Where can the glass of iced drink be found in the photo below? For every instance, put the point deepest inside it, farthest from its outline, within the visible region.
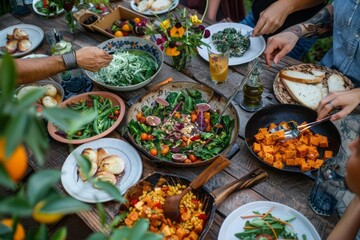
(219, 60)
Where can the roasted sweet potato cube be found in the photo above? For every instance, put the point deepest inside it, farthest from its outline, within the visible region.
(278, 157)
(290, 162)
(328, 154)
(312, 153)
(323, 141)
(314, 141)
(305, 167)
(299, 161)
(282, 150)
(263, 131)
(279, 165)
(256, 147)
(290, 154)
(269, 140)
(268, 158)
(302, 150)
(279, 135)
(259, 137)
(311, 163)
(272, 125)
(269, 149)
(261, 154)
(304, 140)
(318, 163)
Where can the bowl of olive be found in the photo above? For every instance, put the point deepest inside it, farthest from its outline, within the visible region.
(86, 18)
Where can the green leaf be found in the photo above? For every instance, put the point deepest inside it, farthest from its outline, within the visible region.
(152, 236)
(60, 234)
(15, 206)
(85, 165)
(115, 222)
(121, 234)
(97, 236)
(69, 120)
(4, 230)
(37, 188)
(5, 180)
(111, 190)
(29, 99)
(41, 234)
(14, 133)
(8, 77)
(64, 205)
(36, 131)
(102, 213)
(139, 229)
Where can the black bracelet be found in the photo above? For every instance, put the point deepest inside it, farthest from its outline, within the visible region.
(70, 60)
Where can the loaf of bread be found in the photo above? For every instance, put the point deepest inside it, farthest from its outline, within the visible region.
(160, 5)
(314, 76)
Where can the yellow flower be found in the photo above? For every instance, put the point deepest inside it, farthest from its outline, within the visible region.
(195, 20)
(171, 50)
(177, 30)
(165, 24)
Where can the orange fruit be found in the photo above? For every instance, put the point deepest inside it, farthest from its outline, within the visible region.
(19, 229)
(43, 217)
(126, 28)
(137, 20)
(118, 33)
(16, 164)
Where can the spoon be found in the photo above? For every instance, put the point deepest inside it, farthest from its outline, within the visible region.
(172, 203)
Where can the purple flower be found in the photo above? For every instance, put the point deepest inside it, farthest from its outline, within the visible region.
(201, 27)
(159, 41)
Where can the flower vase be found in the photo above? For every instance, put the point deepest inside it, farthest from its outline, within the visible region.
(180, 61)
(70, 21)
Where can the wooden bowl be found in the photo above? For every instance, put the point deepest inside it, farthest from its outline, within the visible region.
(116, 101)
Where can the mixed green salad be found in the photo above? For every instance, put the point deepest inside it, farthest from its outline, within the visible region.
(128, 67)
(239, 44)
(265, 226)
(46, 7)
(181, 128)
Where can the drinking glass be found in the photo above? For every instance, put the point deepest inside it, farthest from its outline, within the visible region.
(329, 188)
(219, 60)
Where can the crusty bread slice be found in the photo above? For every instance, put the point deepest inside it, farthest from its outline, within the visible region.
(24, 45)
(11, 46)
(302, 77)
(336, 83)
(20, 34)
(145, 5)
(308, 95)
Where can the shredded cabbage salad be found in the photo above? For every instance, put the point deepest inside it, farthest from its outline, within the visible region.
(128, 67)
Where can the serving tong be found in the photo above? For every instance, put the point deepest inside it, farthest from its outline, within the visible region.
(293, 130)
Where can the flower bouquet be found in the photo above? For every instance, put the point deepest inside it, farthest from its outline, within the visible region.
(179, 35)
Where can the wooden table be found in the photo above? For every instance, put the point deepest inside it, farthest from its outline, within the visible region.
(291, 189)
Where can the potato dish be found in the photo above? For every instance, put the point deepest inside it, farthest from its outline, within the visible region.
(52, 96)
(300, 152)
(150, 203)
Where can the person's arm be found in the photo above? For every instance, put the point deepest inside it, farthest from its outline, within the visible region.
(281, 44)
(89, 58)
(213, 9)
(273, 17)
(349, 224)
(347, 101)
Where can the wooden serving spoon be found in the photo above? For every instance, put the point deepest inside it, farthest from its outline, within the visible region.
(172, 203)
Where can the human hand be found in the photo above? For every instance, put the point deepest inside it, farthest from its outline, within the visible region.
(272, 18)
(279, 45)
(92, 58)
(344, 100)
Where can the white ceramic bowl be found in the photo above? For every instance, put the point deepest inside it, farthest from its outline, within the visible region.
(113, 44)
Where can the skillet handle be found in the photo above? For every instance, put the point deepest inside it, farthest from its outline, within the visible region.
(248, 180)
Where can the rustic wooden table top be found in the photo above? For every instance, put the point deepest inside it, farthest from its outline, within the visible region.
(291, 189)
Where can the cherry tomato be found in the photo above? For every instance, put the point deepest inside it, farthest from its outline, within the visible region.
(116, 112)
(150, 137)
(154, 151)
(144, 136)
(192, 157)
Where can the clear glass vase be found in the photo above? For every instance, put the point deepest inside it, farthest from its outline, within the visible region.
(70, 21)
(180, 61)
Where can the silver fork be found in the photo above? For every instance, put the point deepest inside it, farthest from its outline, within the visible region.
(294, 130)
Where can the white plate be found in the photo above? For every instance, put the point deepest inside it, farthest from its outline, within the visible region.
(150, 13)
(234, 223)
(43, 14)
(85, 191)
(36, 35)
(257, 44)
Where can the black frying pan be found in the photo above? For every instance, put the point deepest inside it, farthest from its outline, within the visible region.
(287, 112)
(210, 200)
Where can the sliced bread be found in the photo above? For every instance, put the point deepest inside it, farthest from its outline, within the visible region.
(308, 95)
(303, 77)
(160, 5)
(336, 83)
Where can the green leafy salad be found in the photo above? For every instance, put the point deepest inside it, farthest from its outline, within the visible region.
(266, 227)
(181, 128)
(128, 67)
(239, 44)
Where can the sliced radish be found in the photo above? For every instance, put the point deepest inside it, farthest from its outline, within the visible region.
(203, 107)
(153, 120)
(179, 157)
(162, 102)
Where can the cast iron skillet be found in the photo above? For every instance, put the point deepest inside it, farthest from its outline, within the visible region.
(210, 200)
(287, 112)
(216, 101)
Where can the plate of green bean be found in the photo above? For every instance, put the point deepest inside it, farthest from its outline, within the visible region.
(110, 110)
